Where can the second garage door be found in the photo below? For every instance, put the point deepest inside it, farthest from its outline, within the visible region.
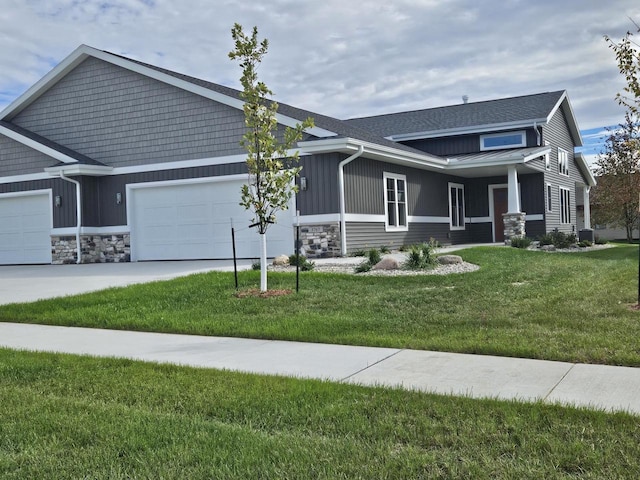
(191, 221)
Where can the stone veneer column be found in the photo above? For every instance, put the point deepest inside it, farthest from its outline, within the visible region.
(318, 241)
(514, 226)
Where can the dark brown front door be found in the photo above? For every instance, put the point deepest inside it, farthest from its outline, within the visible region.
(500, 206)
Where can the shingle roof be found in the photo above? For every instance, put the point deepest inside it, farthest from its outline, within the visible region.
(503, 110)
(80, 158)
(340, 127)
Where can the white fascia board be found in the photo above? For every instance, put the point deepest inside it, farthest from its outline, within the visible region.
(79, 169)
(572, 123)
(25, 178)
(485, 163)
(584, 166)
(390, 154)
(449, 132)
(28, 142)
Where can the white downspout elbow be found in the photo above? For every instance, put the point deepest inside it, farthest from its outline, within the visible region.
(343, 222)
(78, 215)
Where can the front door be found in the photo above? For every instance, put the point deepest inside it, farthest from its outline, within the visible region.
(500, 206)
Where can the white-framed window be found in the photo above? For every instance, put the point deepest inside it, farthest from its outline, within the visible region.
(549, 202)
(547, 157)
(499, 141)
(565, 205)
(395, 201)
(563, 162)
(456, 206)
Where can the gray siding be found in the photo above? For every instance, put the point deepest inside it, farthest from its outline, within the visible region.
(367, 235)
(531, 194)
(321, 172)
(459, 145)
(557, 134)
(122, 118)
(18, 159)
(427, 192)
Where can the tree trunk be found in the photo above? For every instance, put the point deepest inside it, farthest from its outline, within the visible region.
(263, 263)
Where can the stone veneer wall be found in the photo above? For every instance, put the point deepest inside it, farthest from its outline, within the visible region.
(95, 249)
(514, 226)
(318, 241)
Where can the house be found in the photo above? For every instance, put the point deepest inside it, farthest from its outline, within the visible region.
(135, 162)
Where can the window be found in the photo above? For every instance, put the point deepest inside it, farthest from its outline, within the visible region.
(547, 160)
(565, 205)
(456, 206)
(395, 199)
(549, 204)
(497, 141)
(563, 162)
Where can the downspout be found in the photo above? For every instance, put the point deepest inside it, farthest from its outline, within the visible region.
(538, 135)
(343, 222)
(78, 214)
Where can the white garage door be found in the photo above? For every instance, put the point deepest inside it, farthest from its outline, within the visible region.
(192, 221)
(25, 228)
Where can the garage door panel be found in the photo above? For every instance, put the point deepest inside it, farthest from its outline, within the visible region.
(25, 227)
(198, 223)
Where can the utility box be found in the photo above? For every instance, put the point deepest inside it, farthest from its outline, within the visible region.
(586, 234)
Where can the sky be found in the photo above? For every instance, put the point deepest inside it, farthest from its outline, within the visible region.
(347, 58)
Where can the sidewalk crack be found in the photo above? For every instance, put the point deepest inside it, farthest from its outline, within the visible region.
(372, 365)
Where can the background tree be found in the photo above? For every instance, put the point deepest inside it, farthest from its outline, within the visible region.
(627, 53)
(272, 167)
(615, 198)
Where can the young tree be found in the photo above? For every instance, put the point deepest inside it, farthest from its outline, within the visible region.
(615, 198)
(627, 53)
(272, 167)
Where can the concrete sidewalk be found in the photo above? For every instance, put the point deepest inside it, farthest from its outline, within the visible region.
(478, 376)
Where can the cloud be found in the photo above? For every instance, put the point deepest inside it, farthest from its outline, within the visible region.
(344, 58)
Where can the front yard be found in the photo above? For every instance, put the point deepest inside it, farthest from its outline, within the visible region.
(555, 306)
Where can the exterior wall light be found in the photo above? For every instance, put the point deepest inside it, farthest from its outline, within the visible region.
(303, 183)
(118, 198)
(57, 201)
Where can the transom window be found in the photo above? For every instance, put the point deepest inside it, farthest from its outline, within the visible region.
(563, 162)
(565, 205)
(395, 199)
(497, 141)
(456, 206)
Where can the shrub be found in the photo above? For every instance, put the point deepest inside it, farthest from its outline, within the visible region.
(384, 249)
(421, 256)
(584, 243)
(558, 239)
(601, 241)
(374, 256)
(358, 253)
(520, 242)
(301, 261)
(255, 265)
(363, 267)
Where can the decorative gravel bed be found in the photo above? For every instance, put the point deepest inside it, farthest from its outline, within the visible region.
(463, 267)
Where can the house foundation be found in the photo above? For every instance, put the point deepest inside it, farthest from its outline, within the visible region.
(95, 249)
(320, 241)
(514, 226)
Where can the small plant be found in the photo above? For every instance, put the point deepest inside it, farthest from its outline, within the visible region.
(601, 241)
(558, 239)
(255, 265)
(302, 262)
(363, 267)
(358, 253)
(374, 256)
(384, 249)
(421, 256)
(520, 242)
(584, 243)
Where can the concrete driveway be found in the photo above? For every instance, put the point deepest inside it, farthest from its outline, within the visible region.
(27, 283)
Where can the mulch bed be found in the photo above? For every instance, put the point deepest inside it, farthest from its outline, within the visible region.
(255, 292)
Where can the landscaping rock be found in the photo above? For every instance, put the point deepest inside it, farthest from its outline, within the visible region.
(281, 260)
(449, 259)
(548, 248)
(387, 263)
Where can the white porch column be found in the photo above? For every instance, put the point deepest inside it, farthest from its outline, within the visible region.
(587, 206)
(514, 195)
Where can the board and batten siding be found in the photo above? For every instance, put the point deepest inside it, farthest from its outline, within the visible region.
(557, 134)
(122, 118)
(321, 195)
(18, 159)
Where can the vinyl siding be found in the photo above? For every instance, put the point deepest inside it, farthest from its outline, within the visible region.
(367, 234)
(122, 118)
(18, 159)
(321, 172)
(557, 134)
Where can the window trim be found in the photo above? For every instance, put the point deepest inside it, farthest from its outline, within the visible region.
(395, 228)
(563, 166)
(565, 209)
(523, 140)
(457, 186)
(549, 201)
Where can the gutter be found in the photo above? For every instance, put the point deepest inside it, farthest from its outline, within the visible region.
(78, 215)
(343, 221)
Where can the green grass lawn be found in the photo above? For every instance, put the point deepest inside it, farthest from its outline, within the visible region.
(571, 307)
(78, 417)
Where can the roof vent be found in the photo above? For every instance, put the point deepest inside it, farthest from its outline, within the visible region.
(465, 98)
